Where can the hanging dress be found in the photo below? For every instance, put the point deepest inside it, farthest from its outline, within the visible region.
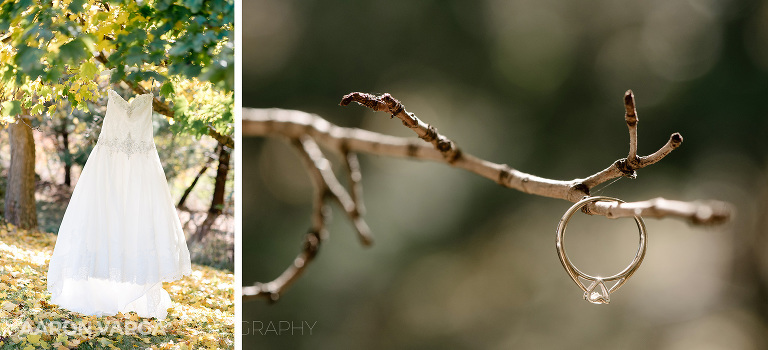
(120, 237)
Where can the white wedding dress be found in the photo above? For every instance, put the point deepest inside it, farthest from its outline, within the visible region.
(121, 236)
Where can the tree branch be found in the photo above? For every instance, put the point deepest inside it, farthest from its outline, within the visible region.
(308, 128)
(325, 185)
(165, 109)
(631, 117)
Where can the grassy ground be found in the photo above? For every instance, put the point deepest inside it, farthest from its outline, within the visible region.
(202, 315)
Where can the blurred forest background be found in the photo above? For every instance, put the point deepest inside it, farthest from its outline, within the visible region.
(460, 262)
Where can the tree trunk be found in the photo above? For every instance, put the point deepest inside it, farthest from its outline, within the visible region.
(67, 155)
(217, 202)
(194, 182)
(20, 207)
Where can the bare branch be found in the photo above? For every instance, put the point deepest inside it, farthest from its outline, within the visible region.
(570, 190)
(164, 108)
(674, 142)
(333, 188)
(272, 290)
(622, 167)
(699, 212)
(631, 117)
(317, 233)
(292, 124)
(632, 161)
(307, 128)
(325, 185)
(428, 133)
(355, 177)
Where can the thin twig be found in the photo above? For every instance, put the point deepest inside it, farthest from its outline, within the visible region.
(428, 133)
(325, 185)
(309, 128)
(355, 177)
(334, 189)
(631, 117)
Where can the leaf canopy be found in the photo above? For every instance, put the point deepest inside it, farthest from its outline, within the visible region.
(53, 52)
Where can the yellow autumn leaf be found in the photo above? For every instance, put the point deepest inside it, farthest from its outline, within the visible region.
(104, 341)
(102, 31)
(122, 17)
(61, 338)
(33, 339)
(8, 306)
(37, 109)
(104, 45)
(208, 325)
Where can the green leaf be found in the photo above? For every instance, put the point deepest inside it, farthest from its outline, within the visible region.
(37, 109)
(88, 70)
(220, 73)
(28, 59)
(155, 75)
(38, 31)
(76, 6)
(146, 10)
(73, 51)
(180, 105)
(7, 74)
(194, 5)
(167, 89)
(19, 7)
(138, 76)
(11, 108)
(135, 56)
(52, 75)
(45, 90)
(181, 48)
(163, 5)
(117, 75)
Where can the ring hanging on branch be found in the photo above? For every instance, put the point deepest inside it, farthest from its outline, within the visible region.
(597, 293)
(308, 130)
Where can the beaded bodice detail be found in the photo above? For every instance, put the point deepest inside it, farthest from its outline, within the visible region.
(129, 107)
(128, 145)
(127, 127)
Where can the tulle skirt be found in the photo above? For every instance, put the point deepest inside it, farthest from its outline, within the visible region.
(120, 238)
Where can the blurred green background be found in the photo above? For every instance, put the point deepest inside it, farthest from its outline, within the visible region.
(460, 262)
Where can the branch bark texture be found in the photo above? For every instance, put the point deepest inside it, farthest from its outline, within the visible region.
(20, 208)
